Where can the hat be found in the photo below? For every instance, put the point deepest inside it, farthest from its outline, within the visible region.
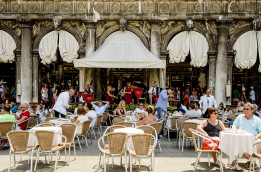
(152, 107)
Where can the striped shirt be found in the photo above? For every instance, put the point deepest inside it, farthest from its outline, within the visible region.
(162, 101)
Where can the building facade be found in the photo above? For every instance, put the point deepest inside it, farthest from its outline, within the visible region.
(155, 22)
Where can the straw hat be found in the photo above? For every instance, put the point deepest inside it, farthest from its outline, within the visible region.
(152, 107)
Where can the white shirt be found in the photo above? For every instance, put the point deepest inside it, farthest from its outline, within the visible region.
(138, 110)
(207, 102)
(192, 113)
(62, 103)
(75, 111)
(82, 119)
(252, 95)
(153, 88)
(92, 114)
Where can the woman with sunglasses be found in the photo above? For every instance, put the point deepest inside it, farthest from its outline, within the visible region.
(211, 127)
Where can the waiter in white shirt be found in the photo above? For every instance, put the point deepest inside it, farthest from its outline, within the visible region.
(207, 101)
(62, 103)
(153, 91)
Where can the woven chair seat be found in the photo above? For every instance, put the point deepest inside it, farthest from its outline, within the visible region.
(133, 153)
(107, 151)
(67, 145)
(55, 148)
(27, 149)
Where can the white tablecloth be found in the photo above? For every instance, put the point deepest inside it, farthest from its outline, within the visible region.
(60, 121)
(197, 121)
(234, 143)
(57, 139)
(168, 120)
(130, 131)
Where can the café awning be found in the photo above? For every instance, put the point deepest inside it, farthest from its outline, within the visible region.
(122, 49)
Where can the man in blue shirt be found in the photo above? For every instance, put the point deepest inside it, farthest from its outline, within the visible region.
(100, 109)
(251, 124)
(161, 105)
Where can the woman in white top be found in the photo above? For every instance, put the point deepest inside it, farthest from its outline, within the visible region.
(80, 120)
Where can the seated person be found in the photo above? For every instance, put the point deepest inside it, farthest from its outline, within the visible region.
(76, 109)
(14, 107)
(121, 110)
(192, 112)
(5, 116)
(179, 109)
(92, 114)
(211, 127)
(100, 109)
(197, 108)
(23, 118)
(222, 107)
(151, 118)
(80, 120)
(249, 123)
(239, 104)
(42, 112)
(140, 109)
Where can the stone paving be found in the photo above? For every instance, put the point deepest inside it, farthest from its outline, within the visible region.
(171, 159)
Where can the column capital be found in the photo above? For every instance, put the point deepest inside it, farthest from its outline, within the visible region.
(223, 23)
(25, 23)
(89, 24)
(155, 23)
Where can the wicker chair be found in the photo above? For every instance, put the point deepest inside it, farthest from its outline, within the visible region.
(126, 124)
(148, 129)
(32, 122)
(112, 128)
(105, 117)
(116, 147)
(226, 124)
(142, 148)
(179, 129)
(5, 127)
(173, 126)
(118, 119)
(254, 156)
(97, 126)
(157, 126)
(85, 130)
(19, 141)
(187, 134)
(50, 118)
(46, 124)
(197, 134)
(69, 131)
(193, 117)
(45, 141)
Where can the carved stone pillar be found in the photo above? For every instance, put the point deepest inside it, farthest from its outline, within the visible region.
(26, 63)
(221, 64)
(18, 77)
(35, 78)
(229, 77)
(155, 49)
(212, 73)
(87, 74)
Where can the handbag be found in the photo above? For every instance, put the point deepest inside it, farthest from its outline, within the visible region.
(208, 145)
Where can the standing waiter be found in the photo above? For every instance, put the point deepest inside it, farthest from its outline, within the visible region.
(62, 103)
(153, 91)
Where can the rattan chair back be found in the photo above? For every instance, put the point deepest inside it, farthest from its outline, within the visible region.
(98, 122)
(193, 117)
(18, 140)
(116, 142)
(50, 118)
(141, 143)
(112, 128)
(126, 124)
(118, 119)
(32, 122)
(187, 126)
(180, 123)
(85, 127)
(68, 130)
(157, 126)
(46, 124)
(105, 116)
(45, 139)
(5, 127)
(173, 123)
(148, 129)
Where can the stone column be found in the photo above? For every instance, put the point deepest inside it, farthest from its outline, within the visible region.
(26, 62)
(212, 73)
(221, 64)
(155, 49)
(98, 84)
(88, 73)
(229, 77)
(35, 77)
(18, 77)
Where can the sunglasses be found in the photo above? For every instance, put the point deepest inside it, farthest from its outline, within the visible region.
(246, 109)
(240, 111)
(216, 113)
